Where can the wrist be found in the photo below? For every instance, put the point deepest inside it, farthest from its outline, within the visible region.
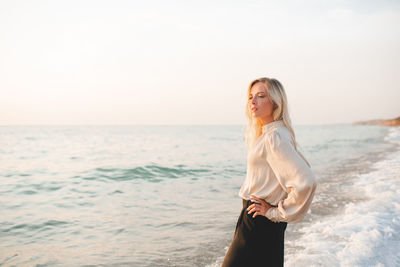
(268, 211)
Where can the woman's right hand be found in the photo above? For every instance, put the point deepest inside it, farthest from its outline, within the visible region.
(258, 208)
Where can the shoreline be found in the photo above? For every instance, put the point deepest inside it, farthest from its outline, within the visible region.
(382, 122)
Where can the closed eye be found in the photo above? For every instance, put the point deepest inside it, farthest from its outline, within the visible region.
(259, 95)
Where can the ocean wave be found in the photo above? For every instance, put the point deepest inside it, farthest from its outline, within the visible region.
(366, 233)
(394, 135)
(29, 227)
(152, 173)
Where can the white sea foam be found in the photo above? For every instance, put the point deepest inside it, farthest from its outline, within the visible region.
(367, 233)
(393, 135)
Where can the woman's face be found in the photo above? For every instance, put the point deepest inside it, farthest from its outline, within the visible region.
(261, 106)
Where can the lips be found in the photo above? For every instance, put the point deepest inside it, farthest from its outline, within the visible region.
(253, 109)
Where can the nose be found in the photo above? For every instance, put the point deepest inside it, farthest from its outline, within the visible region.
(253, 101)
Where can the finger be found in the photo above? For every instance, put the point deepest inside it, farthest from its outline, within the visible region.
(253, 206)
(262, 201)
(252, 210)
(256, 208)
(250, 207)
(255, 214)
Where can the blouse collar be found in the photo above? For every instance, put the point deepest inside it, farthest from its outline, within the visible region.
(272, 125)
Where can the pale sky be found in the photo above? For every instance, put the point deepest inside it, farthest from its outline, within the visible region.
(190, 62)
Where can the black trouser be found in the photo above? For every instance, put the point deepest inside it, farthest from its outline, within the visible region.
(257, 241)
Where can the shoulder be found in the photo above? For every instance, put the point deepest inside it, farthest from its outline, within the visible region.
(278, 136)
(279, 145)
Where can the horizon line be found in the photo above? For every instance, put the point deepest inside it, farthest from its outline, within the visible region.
(300, 124)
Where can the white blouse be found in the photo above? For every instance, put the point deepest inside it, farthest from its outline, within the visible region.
(277, 173)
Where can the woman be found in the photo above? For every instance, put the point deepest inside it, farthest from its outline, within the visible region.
(279, 184)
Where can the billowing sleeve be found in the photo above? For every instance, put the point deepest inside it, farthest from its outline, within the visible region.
(293, 174)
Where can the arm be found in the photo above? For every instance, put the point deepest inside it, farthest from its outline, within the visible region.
(295, 177)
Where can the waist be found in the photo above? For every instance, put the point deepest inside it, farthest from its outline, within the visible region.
(247, 203)
(272, 196)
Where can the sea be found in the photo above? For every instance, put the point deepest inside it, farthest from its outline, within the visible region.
(146, 195)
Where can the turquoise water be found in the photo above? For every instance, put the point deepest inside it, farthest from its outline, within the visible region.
(162, 195)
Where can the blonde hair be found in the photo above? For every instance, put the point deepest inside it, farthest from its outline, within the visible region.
(276, 93)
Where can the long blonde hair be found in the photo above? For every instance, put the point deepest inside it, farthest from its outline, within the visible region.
(276, 93)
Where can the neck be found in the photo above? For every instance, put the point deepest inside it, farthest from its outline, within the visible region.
(265, 121)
